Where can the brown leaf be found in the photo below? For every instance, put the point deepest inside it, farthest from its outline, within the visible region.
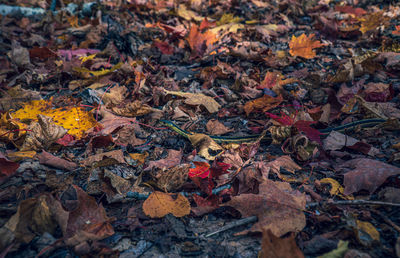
(88, 221)
(51, 160)
(197, 99)
(121, 185)
(159, 204)
(285, 162)
(277, 207)
(367, 174)
(198, 41)
(174, 158)
(172, 179)
(7, 167)
(126, 135)
(215, 127)
(118, 155)
(133, 109)
(42, 134)
(272, 246)
(116, 95)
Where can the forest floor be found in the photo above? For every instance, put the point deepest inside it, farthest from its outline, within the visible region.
(200, 128)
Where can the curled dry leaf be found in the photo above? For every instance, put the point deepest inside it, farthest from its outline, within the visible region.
(116, 95)
(264, 104)
(285, 162)
(367, 174)
(42, 134)
(7, 167)
(277, 206)
(172, 179)
(53, 161)
(159, 204)
(121, 185)
(197, 99)
(133, 109)
(208, 148)
(118, 155)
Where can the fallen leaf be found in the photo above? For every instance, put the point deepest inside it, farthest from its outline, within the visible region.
(42, 134)
(215, 127)
(372, 21)
(208, 148)
(304, 46)
(188, 15)
(199, 42)
(139, 157)
(173, 159)
(197, 99)
(277, 206)
(201, 170)
(133, 109)
(273, 246)
(367, 174)
(366, 233)
(116, 95)
(121, 185)
(284, 162)
(336, 188)
(172, 179)
(264, 104)
(53, 161)
(159, 204)
(7, 167)
(117, 155)
(341, 249)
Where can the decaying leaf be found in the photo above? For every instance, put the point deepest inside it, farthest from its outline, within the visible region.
(336, 188)
(273, 246)
(173, 159)
(117, 155)
(42, 134)
(172, 179)
(278, 207)
(159, 204)
(198, 41)
(367, 174)
(264, 104)
(304, 46)
(133, 109)
(215, 127)
(197, 99)
(208, 148)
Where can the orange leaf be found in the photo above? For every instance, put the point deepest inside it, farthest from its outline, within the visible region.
(199, 42)
(397, 31)
(159, 204)
(264, 103)
(303, 46)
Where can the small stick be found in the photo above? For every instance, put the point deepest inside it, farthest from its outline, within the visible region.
(387, 220)
(233, 224)
(353, 202)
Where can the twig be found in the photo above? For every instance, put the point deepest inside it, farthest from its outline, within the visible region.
(387, 220)
(234, 224)
(352, 202)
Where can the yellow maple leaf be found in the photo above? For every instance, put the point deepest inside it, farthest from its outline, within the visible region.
(372, 21)
(304, 46)
(75, 119)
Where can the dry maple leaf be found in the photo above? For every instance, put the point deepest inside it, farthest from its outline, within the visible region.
(159, 204)
(303, 46)
(372, 21)
(208, 148)
(277, 206)
(367, 174)
(197, 99)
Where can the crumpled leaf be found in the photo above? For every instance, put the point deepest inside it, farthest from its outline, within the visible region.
(336, 188)
(121, 185)
(367, 174)
(116, 95)
(275, 166)
(172, 179)
(133, 109)
(117, 155)
(277, 206)
(304, 46)
(264, 104)
(159, 204)
(272, 246)
(188, 15)
(372, 21)
(208, 148)
(19, 55)
(197, 99)
(42, 134)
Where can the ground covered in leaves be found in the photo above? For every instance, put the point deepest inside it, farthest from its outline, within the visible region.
(112, 112)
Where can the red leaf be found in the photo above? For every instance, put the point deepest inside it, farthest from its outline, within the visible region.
(284, 120)
(164, 47)
(312, 133)
(201, 170)
(219, 168)
(7, 167)
(206, 185)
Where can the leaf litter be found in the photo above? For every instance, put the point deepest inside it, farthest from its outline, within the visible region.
(88, 169)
